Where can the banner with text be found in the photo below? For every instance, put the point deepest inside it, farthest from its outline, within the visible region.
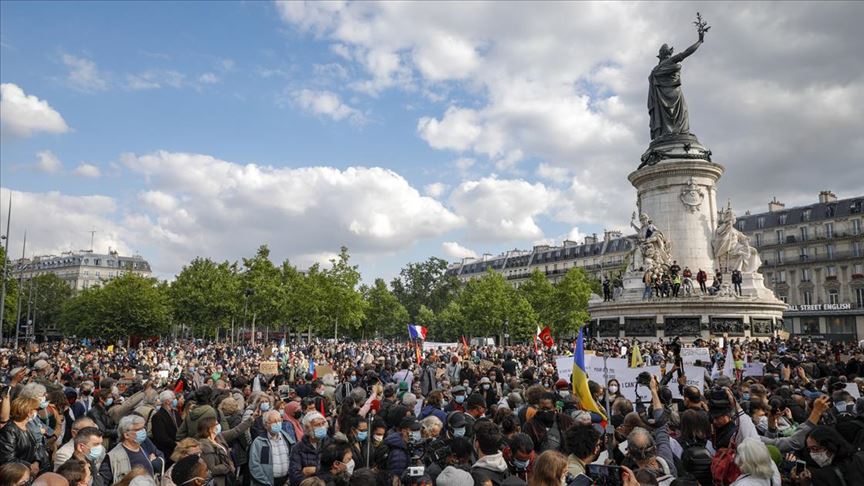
(691, 355)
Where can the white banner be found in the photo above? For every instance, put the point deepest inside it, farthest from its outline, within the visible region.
(695, 377)
(565, 366)
(432, 345)
(852, 388)
(754, 369)
(691, 355)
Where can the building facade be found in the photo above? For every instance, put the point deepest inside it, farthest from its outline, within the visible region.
(598, 257)
(82, 269)
(813, 259)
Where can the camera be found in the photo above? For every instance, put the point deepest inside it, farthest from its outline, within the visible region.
(777, 404)
(644, 379)
(604, 475)
(718, 400)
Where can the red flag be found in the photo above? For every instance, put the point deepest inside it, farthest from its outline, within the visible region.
(465, 344)
(545, 337)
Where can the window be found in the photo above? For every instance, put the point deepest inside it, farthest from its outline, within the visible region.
(784, 298)
(810, 325)
(856, 248)
(859, 297)
(805, 216)
(829, 230)
(758, 239)
(807, 297)
(804, 233)
(858, 269)
(781, 276)
(841, 324)
(829, 251)
(856, 226)
(779, 254)
(831, 271)
(760, 222)
(806, 274)
(740, 225)
(831, 210)
(805, 253)
(780, 236)
(781, 219)
(833, 297)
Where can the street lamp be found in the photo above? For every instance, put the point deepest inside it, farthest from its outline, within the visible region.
(246, 293)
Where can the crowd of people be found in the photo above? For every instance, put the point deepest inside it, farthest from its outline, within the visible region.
(383, 412)
(676, 282)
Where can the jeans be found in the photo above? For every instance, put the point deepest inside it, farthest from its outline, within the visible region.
(647, 293)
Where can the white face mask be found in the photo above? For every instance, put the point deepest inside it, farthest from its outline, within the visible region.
(613, 389)
(349, 467)
(821, 458)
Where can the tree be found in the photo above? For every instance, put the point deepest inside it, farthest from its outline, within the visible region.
(571, 298)
(129, 305)
(51, 293)
(425, 317)
(206, 295)
(385, 315)
(540, 293)
(451, 323)
(425, 283)
(489, 303)
(266, 301)
(343, 302)
(11, 302)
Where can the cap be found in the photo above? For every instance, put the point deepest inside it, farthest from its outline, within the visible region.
(409, 423)
(562, 384)
(457, 389)
(456, 420)
(40, 365)
(485, 380)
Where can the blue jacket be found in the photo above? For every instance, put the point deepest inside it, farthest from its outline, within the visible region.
(304, 454)
(399, 457)
(260, 462)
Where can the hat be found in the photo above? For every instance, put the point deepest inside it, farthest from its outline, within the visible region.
(40, 365)
(16, 370)
(476, 400)
(456, 420)
(562, 384)
(457, 389)
(775, 454)
(484, 380)
(409, 422)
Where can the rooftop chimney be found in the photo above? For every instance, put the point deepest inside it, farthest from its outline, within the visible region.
(590, 240)
(827, 197)
(775, 205)
(609, 235)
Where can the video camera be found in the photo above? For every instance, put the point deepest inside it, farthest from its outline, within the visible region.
(718, 400)
(414, 473)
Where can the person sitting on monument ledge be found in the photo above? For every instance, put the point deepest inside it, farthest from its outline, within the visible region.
(674, 268)
(687, 280)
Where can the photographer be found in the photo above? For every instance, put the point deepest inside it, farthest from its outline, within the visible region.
(653, 451)
(797, 440)
(728, 420)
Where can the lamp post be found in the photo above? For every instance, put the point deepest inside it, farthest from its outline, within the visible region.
(5, 267)
(246, 294)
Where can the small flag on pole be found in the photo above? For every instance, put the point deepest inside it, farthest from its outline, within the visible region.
(636, 358)
(416, 332)
(546, 337)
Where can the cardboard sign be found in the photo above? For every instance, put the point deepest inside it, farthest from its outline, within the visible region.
(486, 365)
(691, 355)
(564, 364)
(852, 389)
(695, 377)
(432, 345)
(754, 369)
(324, 370)
(268, 367)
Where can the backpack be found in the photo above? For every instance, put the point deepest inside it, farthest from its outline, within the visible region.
(697, 461)
(343, 390)
(852, 429)
(723, 467)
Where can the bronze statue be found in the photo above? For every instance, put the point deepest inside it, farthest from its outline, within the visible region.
(666, 104)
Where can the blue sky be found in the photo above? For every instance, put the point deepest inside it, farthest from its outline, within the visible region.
(402, 130)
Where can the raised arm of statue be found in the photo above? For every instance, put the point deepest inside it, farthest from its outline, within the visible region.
(683, 55)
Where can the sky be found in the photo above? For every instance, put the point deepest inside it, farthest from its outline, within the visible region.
(401, 130)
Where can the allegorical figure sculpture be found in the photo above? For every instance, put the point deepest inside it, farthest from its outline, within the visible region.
(732, 248)
(652, 252)
(666, 104)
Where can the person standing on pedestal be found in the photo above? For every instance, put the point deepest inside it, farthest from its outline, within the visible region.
(648, 280)
(736, 281)
(702, 277)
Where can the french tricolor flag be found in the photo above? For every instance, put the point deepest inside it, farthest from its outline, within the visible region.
(416, 332)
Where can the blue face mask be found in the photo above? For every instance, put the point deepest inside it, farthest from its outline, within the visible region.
(95, 452)
(353, 379)
(320, 432)
(218, 429)
(745, 397)
(275, 428)
(265, 406)
(44, 404)
(362, 435)
(520, 465)
(841, 406)
(459, 432)
(141, 436)
(109, 402)
(459, 398)
(174, 403)
(416, 437)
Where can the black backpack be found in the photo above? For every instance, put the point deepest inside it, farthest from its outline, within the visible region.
(696, 460)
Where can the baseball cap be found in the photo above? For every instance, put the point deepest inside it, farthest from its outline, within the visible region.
(409, 422)
(40, 365)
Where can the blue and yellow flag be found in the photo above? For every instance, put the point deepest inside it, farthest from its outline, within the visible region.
(580, 379)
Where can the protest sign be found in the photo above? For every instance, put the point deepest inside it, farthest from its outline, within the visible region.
(852, 389)
(268, 367)
(433, 345)
(324, 370)
(565, 367)
(691, 355)
(754, 369)
(695, 377)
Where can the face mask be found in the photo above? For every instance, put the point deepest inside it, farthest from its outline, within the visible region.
(320, 432)
(275, 428)
(44, 404)
(141, 436)
(297, 415)
(109, 402)
(174, 403)
(613, 389)
(377, 438)
(265, 406)
(459, 398)
(520, 465)
(465, 384)
(546, 417)
(353, 379)
(564, 393)
(416, 437)
(745, 397)
(821, 458)
(349, 467)
(485, 387)
(218, 429)
(362, 435)
(459, 432)
(95, 453)
(841, 407)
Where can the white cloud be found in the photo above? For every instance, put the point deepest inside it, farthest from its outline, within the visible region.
(436, 189)
(48, 162)
(191, 199)
(226, 64)
(575, 235)
(455, 250)
(464, 163)
(326, 103)
(208, 78)
(88, 170)
(83, 74)
(155, 79)
(497, 209)
(458, 130)
(22, 115)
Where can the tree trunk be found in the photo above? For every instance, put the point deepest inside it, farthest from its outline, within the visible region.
(254, 315)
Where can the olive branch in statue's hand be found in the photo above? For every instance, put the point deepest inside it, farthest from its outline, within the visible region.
(701, 26)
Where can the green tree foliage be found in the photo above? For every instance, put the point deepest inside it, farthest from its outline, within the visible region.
(571, 298)
(49, 296)
(540, 293)
(385, 315)
(264, 279)
(11, 302)
(129, 305)
(425, 283)
(489, 302)
(343, 303)
(206, 295)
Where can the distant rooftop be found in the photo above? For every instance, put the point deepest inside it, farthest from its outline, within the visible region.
(828, 207)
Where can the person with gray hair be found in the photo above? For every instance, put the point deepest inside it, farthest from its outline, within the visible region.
(306, 454)
(269, 456)
(757, 468)
(39, 425)
(65, 452)
(135, 449)
(164, 423)
(653, 451)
